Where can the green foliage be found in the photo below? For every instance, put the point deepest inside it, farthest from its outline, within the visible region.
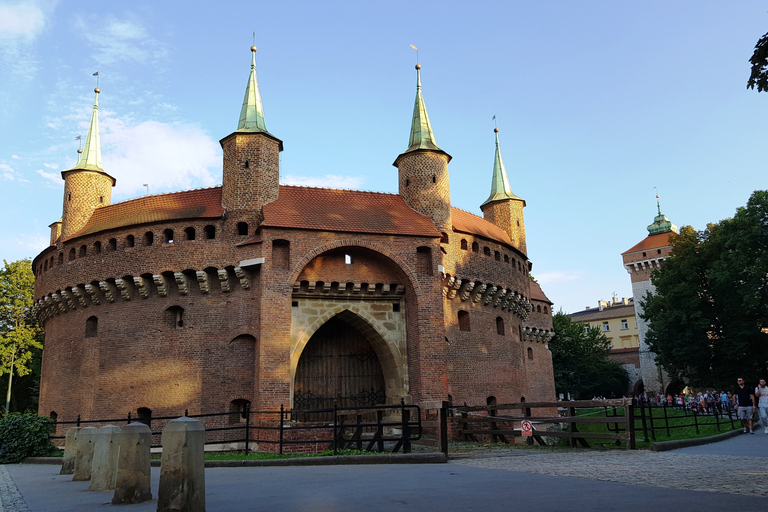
(759, 60)
(20, 336)
(707, 316)
(24, 435)
(580, 361)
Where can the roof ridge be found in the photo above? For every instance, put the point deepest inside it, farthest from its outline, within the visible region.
(469, 213)
(163, 194)
(343, 190)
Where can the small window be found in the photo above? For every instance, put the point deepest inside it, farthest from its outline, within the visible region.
(97, 247)
(520, 332)
(434, 179)
(247, 164)
(149, 238)
(464, 321)
(144, 415)
(530, 353)
(506, 258)
(54, 416)
(606, 327)
(463, 244)
(519, 267)
(294, 303)
(69, 197)
(101, 199)
(497, 256)
(424, 261)
(443, 238)
(189, 233)
(546, 311)
(168, 235)
(586, 329)
(658, 251)
(91, 327)
(518, 223)
(348, 259)
(83, 251)
(395, 307)
(112, 244)
(407, 182)
(475, 247)
(242, 228)
(130, 241)
(50, 265)
(281, 254)
(538, 309)
(624, 323)
(61, 258)
(643, 255)
(45, 265)
(238, 410)
(72, 254)
(499, 326)
(486, 251)
(210, 232)
(174, 317)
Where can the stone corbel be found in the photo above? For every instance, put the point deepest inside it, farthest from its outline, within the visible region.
(356, 288)
(499, 297)
(182, 282)
(242, 275)
(142, 286)
(93, 293)
(80, 296)
(224, 279)
(296, 287)
(479, 291)
(107, 291)
(385, 289)
(56, 298)
(124, 287)
(68, 299)
(202, 279)
(466, 290)
(311, 286)
(161, 283)
(489, 294)
(454, 288)
(326, 287)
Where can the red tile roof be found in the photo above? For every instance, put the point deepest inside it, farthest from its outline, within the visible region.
(190, 204)
(472, 224)
(652, 242)
(346, 211)
(538, 294)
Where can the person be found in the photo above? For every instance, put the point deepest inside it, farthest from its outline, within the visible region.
(761, 393)
(744, 398)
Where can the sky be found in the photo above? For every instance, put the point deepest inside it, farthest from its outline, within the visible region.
(597, 103)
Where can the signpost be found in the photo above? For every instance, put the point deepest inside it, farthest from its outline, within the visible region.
(527, 428)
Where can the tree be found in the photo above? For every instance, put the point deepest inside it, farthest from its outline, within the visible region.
(759, 60)
(580, 361)
(20, 336)
(708, 320)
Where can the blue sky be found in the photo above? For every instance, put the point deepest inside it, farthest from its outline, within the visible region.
(597, 103)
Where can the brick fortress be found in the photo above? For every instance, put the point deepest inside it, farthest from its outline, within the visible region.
(260, 293)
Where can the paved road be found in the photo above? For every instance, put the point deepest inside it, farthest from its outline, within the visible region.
(700, 478)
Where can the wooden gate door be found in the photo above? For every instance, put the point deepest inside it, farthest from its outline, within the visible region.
(339, 364)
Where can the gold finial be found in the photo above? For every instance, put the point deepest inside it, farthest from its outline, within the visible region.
(418, 66)
(97, 90)
(79, 150)
(496, 130)
(253, 48)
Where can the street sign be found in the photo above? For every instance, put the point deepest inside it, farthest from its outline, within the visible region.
(527, 428)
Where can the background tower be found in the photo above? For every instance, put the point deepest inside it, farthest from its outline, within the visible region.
(251, 171)
(502, 207)
(640, 261)
(423, 168)
(86, 185)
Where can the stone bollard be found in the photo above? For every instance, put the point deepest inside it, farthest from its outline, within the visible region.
(104, 466)
(182, 467)
(134, 465)
(70, 449)
(84, 455)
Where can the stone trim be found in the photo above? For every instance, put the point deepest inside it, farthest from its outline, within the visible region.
(487, 295)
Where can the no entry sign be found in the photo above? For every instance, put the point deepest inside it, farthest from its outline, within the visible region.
(527, 428)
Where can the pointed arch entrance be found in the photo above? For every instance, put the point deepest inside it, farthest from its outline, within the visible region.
(338, 363)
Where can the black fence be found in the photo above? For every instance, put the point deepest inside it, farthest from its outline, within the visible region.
(375, 428)
(662, 419)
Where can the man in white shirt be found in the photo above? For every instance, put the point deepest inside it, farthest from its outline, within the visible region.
(761, 393)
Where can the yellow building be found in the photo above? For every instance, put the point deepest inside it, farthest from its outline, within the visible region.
(616, 320)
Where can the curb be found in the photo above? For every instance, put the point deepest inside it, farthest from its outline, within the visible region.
(682, 443)
(406, 458)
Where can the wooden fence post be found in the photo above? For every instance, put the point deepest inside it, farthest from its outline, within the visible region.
(443, 430)
(629, 414)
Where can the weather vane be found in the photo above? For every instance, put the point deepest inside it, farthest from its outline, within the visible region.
(495, 125)
(417, 52)
(96, 74)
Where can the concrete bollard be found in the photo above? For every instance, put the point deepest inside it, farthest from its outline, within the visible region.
(182, 467)
(84, 455)
(104, 466)
(133, 465)
(70, 449)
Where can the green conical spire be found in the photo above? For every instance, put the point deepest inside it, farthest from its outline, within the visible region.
(252, 113)
(661, 224)
(90, 158)
(499, 183)
(421, 131)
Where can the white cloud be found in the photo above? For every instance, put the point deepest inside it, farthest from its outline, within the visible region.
(51, 166)
(167, 156)
(21, 21)
(33, 241)
(53, 176)
(9, 173)
(556, 276)
(119, 40)
(328, 181)
(15, 157)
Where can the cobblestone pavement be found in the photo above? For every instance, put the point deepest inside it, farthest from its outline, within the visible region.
(746, 476)
(10, 499)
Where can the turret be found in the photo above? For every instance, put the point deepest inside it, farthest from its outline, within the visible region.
(86, 185)
(502, 207)
(423, 168)
(251, 155)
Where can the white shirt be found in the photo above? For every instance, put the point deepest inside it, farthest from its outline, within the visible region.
(762, 393)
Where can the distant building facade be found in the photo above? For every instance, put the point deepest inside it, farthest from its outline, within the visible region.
(640, 260)
(617, 321)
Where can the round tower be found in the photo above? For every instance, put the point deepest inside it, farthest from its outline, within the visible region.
(86, 185)
(423, 168)
(251, 169)
(502, 207)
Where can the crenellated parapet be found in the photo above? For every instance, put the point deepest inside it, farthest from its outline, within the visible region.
(486, 294)
(126, 288)
(351, 289)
